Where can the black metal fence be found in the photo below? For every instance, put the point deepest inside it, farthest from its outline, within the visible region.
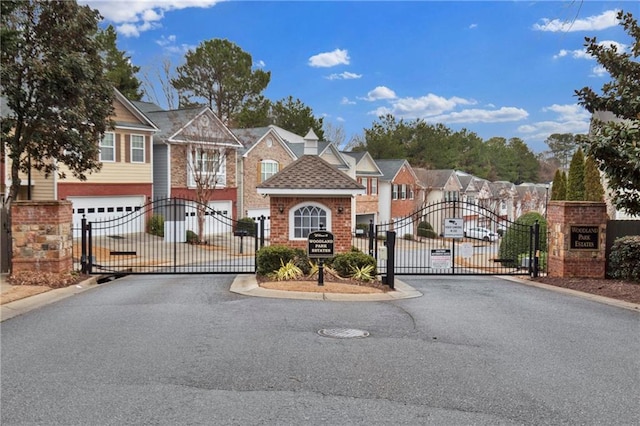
(454, 238)
(170, 236)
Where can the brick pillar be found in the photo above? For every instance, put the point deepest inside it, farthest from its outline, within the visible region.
(577, 235)
(42, 236)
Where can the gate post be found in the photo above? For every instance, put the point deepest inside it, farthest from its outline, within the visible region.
(536, 248)
(262, 219)
(83, 245)
(391, 258)
(90, 249)
(371, 237)
(255, 247)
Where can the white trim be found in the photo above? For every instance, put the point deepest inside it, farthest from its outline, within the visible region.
(327, 209)
(292, 192)
(144, 149)
(112, 147)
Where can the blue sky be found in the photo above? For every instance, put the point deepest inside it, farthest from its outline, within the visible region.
(506, 69)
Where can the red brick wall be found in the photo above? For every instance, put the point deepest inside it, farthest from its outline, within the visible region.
(563, 261)
(84, 189)
(340, 222)
(402, 208)
(41, 234)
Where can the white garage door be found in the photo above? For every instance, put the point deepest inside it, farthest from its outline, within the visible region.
(98, 209)
(255, 214)
(218, 223)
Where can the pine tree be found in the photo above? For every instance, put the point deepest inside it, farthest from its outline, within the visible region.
(562, 190)
(575, 183)
(119, 69)
(592, 184)
(556, 186)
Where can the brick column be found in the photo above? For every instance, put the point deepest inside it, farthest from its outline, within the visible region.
(42, 236)
(577, 235)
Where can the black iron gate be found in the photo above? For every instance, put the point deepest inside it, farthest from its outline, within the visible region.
(171, 236)
(455, 238)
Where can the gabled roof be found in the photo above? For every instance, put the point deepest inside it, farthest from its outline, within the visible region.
(146, 107)
(145, 122)
(187, 125)
(390, 168)
(360, 158)
(310, 174)
(436, 178)
(249, 138)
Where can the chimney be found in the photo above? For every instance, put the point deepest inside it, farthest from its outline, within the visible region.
(311, 143)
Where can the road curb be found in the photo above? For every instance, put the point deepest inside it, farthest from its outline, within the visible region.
(593, 297)
(19, 307)
(248, 285)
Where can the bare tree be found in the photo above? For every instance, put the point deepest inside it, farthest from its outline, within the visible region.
(207, 166)
(334, 133)
(161, 75)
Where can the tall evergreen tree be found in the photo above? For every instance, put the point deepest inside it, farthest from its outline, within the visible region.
(593, 190)
(575, 184)
(556, 186)
(219, 74)
(51, 57)
(296, 117)
(118, 66)
(614, 144)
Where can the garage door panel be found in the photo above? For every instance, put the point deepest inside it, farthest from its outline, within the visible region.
(105, 209)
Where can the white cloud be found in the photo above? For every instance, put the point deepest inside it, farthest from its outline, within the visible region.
(260, 64)
(571, 112)
(425, 106)
(133, 17)
(593, 23)
(344, 76)
(346, 101)
(571, 119)
(473, 26)
(582, 53)
(330, 59)
(598, 71)
(474, 115)
(340, 119)
(380, 92)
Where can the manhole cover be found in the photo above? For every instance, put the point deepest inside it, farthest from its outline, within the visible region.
(343, 333)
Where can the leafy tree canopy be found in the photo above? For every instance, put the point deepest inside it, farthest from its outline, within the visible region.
(615, 144)
(59, 100)
(219, 73)
(119, 69)
(562, 145)
(296, 117)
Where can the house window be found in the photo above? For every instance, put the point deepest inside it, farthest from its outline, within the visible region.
(308, 218)
(365, 183)
(394, 193)
(108, 148)
(403, 192)
(268, 168)
(451, 195)
(411, 195)
(137, 149)
(374, 186)
(208, 167)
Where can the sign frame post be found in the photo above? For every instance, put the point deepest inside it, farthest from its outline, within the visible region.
(320, 245)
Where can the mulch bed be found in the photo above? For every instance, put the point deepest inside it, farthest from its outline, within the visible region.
(615, 289)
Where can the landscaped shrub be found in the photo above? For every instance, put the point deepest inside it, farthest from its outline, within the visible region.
(155, 225)
(624, 260)
(248, 225)
(425, 230)
(517, 239)
(345, 263)
(271, 258)
(408, 237)
(192, 237)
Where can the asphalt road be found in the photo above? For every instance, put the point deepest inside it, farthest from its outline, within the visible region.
(184, 350)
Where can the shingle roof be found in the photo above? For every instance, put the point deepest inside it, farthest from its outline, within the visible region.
(146, 107)
(433, 178)
(169, 122)
(250, 136)
(389, 168)
(311, 172)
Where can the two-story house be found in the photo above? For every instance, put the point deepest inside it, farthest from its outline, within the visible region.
(123, 184)
(368, 174)
(399, 194)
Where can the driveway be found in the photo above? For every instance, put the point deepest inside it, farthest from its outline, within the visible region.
(184, 350)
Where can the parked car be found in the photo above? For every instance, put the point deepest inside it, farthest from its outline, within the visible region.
(480, 233)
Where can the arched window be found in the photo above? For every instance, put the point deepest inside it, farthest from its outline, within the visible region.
(307, 218)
